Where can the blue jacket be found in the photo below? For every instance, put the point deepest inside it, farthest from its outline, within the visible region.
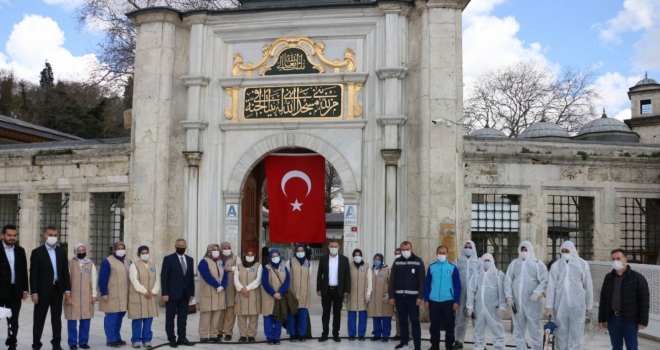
(443, 283)
(104, 274)
(407, 277)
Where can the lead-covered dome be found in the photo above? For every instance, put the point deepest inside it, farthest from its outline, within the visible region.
(646, 81)
(544, 129)
(604, 124)
(487, 132)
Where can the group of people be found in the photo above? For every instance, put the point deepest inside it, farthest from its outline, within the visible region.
(233, 287)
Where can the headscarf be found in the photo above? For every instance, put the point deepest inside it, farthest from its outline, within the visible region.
(361, 262)
(209, 249)
(270, 258)
(493, 268)
(249, 264)
(382, 261)
(531, 256)
(295, 251)
(571, 248)
(75, 253)
(222, 256)
(118, 243)
(142, 247)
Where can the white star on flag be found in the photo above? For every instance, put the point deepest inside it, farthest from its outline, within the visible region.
(296, 205)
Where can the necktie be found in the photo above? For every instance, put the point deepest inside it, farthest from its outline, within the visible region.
(183, 266)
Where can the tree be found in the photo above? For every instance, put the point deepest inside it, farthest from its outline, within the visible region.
(333, 187)
(514, 97)
(7, 85)
(46, 81)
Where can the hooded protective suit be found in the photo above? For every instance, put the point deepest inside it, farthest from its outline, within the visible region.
(467, 267)
(487, 299)
(569, 296)
(527, 277)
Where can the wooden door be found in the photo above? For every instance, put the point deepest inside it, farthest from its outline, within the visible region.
(250, 217)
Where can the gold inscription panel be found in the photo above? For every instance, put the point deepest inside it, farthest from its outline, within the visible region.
(300, 101)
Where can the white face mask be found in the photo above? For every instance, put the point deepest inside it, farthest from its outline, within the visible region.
(51, 240)
(215, 253)
(406, 253)
(249, 258)
(276, 260)
(524, 255)
(442, 258)
(120, 253)
(617, 265)
(144, 257)
(357, 259)
(300, 255)
(334, 251)
(567, 256)
(226, 252)
(397, 256)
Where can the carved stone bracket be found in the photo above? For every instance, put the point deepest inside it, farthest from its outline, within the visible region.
(392, 72)
(193, 124)
(391, 156)
(394, 120)
(193, 158)
(195, 80)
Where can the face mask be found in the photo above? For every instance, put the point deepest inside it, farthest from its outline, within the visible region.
(120, 253)
(226, 252)
(180, 251)
(377, 263)
(51, 240)
(81, 255)
(467, 252)
(567, 256)
(334, 251)
(406, 254)
(276, 260)
(357, 259)
(144, 257)
(617, 265)
(524, 255)
(249, 258)
(397, 256)
(487, 265)
(215, 253)
(300, 255)
(442, 258)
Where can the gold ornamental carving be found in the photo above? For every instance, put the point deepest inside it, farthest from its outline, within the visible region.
(284, 45)
(231, 113)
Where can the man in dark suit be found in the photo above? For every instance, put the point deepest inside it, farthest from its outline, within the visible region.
(13, 281)
(333, 283)
(49, 282)
(178, 286)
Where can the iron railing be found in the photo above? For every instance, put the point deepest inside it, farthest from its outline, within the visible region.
(570, 218)
(10, 210)
(106, 223)
(54, 211)
(495, 225)
(640, 229)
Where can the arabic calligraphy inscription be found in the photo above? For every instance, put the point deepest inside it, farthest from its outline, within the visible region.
(292, 61)
(302, 101)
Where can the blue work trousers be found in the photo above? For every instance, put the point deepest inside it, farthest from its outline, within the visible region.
(112, 326)
(142, 330)
(361, 323)
(78, 335)
(621, 331)
(302, 323)
(272, 328)
(406, 307)
(382, 327)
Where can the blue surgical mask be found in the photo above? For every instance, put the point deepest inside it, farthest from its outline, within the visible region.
(334, 251)
(487, 265)
(467, 252)
(275, 260)
(377, 263)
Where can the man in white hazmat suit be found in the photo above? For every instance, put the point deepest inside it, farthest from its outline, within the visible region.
(528, 280)
(468, 265)
(569, 297)
(487, 299)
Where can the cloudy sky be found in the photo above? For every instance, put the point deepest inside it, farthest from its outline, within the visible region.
(617, 38)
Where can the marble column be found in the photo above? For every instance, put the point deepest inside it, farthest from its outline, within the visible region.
(392, 238)
(193, 159)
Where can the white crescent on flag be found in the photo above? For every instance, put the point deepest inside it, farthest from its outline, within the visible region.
(299, 174)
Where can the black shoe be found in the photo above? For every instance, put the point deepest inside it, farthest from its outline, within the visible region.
(457, 345)
(57, 347)
(85, 346)
(227, 337)
(323, 339)
(251, 340)
(114, 344)
(270, 342)
(185, 342)
(418, 348)
(396, 337)
(351, 338)
(376, 338)
(242, 339)
(401, 346)
(215, 340)
(336, 339)
(302, 339)
(122, 343)
(204, 340)
(73, 347)
(385, 340)
(434, 347)
(173, 344)
(276, 342)
(361, 338)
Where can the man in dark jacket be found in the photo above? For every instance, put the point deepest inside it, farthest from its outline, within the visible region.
(333, 283)
(406, 291)
(178, 288)
(624, 303)
(13, 280)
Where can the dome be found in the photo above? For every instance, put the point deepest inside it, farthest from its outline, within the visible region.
(604, 124)
(487, 132)
(646, 81)
(544, 129)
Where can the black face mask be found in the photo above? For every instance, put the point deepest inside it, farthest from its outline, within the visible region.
(81, 255)
(180, 251)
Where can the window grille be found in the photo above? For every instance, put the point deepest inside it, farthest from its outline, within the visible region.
(640, 229)
(54, 209)
(646, 106)
(107, 223)
(570, 218)
(10, 210)
(495, 223)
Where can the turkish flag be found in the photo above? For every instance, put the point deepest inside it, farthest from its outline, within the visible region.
(296, 198)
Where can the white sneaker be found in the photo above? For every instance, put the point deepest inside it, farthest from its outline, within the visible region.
(136, 345)
(147, 345)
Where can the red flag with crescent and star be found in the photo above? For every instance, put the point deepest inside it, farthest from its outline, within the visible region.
(296, 198)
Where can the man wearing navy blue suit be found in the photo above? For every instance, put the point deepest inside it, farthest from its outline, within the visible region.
(178, 287)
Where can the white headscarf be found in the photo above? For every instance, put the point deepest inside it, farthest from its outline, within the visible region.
(489, 256)
(531, 256)
(571, 248)
(75, 253)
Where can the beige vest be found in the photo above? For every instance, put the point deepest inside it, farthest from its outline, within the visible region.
(252, 304)
(230, 291)
(379, 284)
(117, 287)
(209, 298)
(138, 305)
(300, 282)
(81, 307)
(358, 288)
(267, 301)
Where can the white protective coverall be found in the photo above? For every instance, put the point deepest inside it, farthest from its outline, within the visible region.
(467, 267)
(486, 297)
(527, 277)
(570, 295)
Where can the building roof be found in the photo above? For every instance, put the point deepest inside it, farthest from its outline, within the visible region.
(646, 81)
(604, 124)
(65, 144)
(22, 128)
(487, 132)
(544, 129)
